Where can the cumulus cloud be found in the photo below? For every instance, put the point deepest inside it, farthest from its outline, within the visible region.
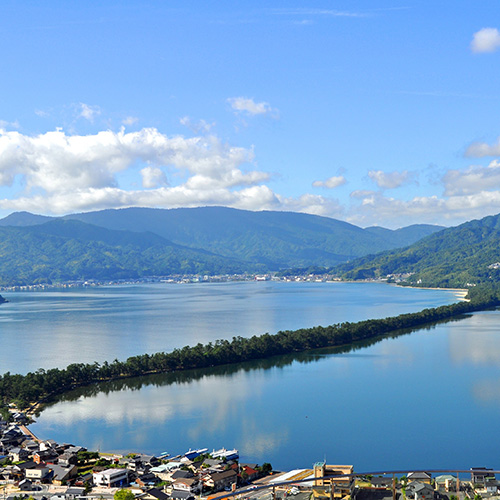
(473, 179)
(153, 177)
(331, 182)
(65, 173)
(250, 107)
(485, 40)
(88, 112)
(375, 208)
(481, 149)
(388, 180)
(311, 204)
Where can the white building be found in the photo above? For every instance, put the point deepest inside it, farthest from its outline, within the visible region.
(111, 477)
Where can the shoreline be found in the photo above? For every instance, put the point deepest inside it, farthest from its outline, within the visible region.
(459, 292)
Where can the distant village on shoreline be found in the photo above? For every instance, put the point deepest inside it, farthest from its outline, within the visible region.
(195, 278)
(47, 470)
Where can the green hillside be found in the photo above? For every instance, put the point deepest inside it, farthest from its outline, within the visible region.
(274, 239)
(138, 242)
(454, 257)
(64, 250)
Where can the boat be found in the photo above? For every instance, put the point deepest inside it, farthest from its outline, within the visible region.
(192, 454)
(227, 454)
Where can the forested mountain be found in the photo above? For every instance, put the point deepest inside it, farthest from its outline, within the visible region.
(64, 250)
(137, 242)
(276, 239)
(24, 219)
(456, 256)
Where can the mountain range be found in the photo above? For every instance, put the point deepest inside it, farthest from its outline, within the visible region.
(459, 256)
(137, 242)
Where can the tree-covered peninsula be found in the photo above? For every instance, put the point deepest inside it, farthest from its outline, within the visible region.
(25, 390)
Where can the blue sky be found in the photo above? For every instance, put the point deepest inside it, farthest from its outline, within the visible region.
(374, 112)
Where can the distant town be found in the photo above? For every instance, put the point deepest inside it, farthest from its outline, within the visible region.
(47, 470)
(194, 278)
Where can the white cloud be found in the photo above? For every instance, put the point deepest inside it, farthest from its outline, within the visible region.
(388, 180)
(66, 173)
(331, 182)
(361, 193)
(375, 208)
(481, 149)
(250, 107)
(485, 40)
(153, 177)
(474, 179)
(5, 124)
(56, 162)
(200, 126)
(57, 173)
(312, 204)
(130, 120)
(88, 112)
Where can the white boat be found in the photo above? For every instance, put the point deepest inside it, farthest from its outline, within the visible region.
(227, 454)
(191, 454)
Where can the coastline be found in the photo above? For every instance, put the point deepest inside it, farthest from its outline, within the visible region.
(459, 292)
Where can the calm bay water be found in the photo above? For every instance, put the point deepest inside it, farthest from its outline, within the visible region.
(426, 399)
(55, 328)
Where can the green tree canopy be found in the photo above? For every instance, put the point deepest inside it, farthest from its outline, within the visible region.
(123, 495)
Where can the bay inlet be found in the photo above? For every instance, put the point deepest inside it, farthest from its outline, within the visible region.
(353, 407)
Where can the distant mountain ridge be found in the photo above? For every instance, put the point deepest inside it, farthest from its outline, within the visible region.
(207, 240)
(457, 257)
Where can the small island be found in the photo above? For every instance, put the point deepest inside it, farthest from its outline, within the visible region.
(2, 300)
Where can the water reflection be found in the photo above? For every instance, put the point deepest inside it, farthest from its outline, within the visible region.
(72, 326)
(477, 343)
(262, 404)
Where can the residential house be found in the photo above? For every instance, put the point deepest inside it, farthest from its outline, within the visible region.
(153, 494)
(421, 477)
(419, 491)
(381, 482)
(25, 485)
(222, 480)
(446, 483)
(181, 495)
(48, 444)
(190, 484)
(31, 446)
(479, 475)
(181, 474)
(73, 493)
(248, 473)
(40, 472)
(67, 458)
(339, 478)
(63, 473)
(45, 456)
(84, 479)
(147, 480)
(18, 454)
